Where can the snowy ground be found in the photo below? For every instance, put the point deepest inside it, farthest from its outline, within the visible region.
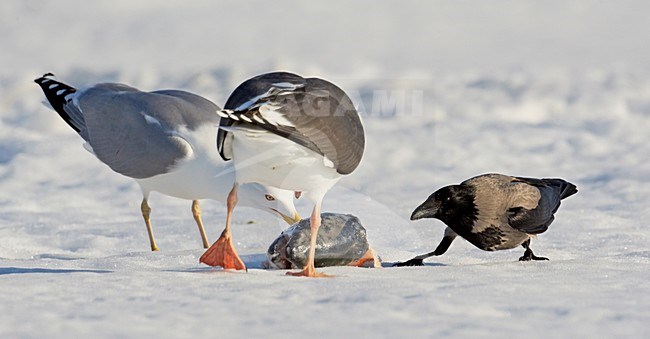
(448, 91)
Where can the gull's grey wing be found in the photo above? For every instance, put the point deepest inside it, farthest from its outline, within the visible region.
(312, 112)
(191, 110)
(136, 133)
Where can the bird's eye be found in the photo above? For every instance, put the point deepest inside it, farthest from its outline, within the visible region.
(269, 197)
(448, 199)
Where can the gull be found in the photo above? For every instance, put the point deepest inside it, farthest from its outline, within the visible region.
(286, 131)
(164, 139)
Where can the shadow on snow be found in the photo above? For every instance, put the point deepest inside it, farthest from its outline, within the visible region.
(22, 270)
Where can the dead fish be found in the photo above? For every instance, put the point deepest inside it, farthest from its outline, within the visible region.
(341, 241)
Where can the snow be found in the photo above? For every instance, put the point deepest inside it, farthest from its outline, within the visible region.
(449, 90)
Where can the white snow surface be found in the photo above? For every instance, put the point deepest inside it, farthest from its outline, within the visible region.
(448, 90)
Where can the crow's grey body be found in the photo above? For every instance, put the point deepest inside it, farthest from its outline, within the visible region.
(511, 209)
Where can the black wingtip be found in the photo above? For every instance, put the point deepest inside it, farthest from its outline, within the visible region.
(56, 92)
(568, 190)
(43, 77)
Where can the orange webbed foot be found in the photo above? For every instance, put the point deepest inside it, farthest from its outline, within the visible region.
(222, 253)
(309, 272)
(369, 256)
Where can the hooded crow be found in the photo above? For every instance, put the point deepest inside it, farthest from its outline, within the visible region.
(494, 212)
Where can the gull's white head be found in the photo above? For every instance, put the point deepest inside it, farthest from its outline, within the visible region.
(276, 201)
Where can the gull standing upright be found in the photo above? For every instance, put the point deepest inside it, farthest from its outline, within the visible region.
(290, 132)
(165, 140)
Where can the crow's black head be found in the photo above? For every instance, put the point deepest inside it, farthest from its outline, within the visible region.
(449, 204)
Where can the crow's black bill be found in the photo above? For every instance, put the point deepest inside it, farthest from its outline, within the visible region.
(424, 211)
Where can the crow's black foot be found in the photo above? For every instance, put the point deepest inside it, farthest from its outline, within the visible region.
(528, 256)
(528, 253)
(412, 262)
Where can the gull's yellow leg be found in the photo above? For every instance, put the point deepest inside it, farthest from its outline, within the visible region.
(146, 212)
(196, 211)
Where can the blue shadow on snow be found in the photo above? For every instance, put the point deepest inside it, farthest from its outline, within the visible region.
(22, 270)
